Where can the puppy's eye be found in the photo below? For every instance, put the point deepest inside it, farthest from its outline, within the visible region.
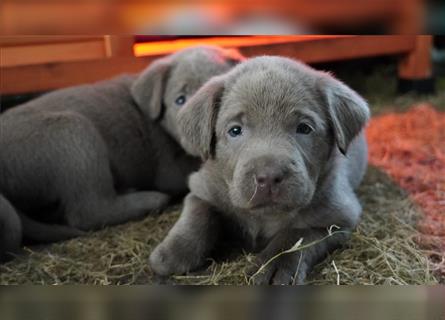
(304, 128)
(180, 100)
(235, 131)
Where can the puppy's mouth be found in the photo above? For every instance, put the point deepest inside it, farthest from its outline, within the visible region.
(269, 204)
(271, 207)
(275, 207)
(265, 198)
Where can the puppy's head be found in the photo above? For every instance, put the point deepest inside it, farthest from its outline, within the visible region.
(269, 126)
(164, 87)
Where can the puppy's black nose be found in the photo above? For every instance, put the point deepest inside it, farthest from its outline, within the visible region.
(269, 177)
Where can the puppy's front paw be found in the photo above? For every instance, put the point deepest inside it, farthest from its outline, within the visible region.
(158, 200)
(167, 260)
(287, 269)
(162, 262)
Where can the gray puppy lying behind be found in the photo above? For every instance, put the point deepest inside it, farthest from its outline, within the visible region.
(284, 150)
(76, 159)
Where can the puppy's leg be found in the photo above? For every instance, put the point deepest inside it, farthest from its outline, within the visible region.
(292, 268)
(189, 241)
(97, 204)
(96, 211)
(10, 230)
(67, 163)
(342, 209)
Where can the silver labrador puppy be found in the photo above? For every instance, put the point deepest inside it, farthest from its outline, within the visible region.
(78, 158)
(284, 150)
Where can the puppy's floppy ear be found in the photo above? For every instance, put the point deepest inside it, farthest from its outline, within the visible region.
(197, 119)
(148, 89)
(347, 111)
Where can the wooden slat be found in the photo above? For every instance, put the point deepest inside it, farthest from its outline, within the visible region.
(51, 53)
(35, 78)
(332, 49)
(28, 40)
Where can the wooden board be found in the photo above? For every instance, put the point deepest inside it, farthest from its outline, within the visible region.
(336, 48)
(6, 41)
(20, 55)
(36, 78)
(49, 76)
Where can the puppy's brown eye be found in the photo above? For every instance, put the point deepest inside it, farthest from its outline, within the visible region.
(180, 100)
(304, 128)
(235, 131)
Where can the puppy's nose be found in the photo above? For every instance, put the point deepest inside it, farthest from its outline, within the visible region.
(269, 177)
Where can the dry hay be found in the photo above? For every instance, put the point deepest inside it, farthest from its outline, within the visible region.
(381, 251)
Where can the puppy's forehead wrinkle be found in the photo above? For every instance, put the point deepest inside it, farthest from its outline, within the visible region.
(284, 67)
(272, 92)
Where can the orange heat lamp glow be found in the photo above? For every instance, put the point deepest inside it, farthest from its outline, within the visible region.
(169, 46)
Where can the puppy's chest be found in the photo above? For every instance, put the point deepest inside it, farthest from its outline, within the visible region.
(259, 229)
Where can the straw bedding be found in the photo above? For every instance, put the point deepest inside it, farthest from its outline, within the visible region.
(383, 250)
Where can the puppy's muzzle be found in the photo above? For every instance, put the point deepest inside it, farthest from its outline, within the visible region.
(269, 175)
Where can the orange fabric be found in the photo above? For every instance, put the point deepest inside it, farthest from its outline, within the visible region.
(410, 147)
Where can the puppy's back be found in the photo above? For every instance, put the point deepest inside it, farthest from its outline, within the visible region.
(103, 94)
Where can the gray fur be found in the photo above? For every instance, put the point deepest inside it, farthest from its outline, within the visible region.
(277, 184)
(96, 155)
(9, 224)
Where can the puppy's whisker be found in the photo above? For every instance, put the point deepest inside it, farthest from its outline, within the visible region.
(256, 189)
